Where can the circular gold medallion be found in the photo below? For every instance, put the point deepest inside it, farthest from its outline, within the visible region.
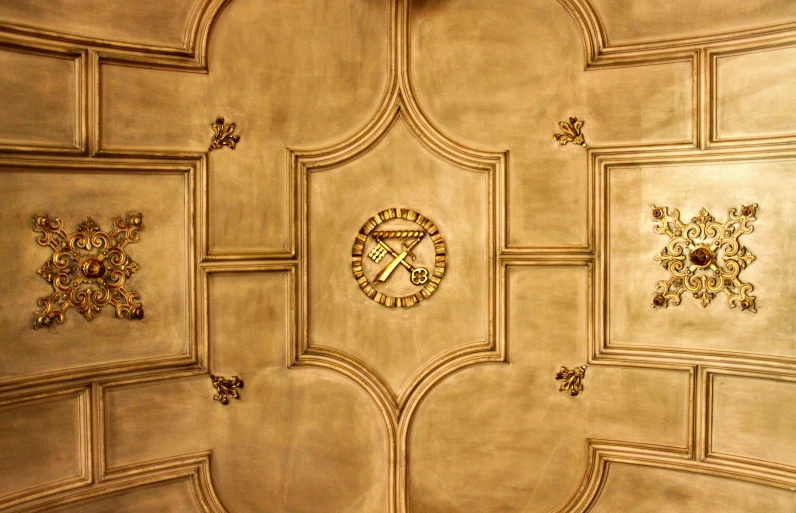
(398, 257)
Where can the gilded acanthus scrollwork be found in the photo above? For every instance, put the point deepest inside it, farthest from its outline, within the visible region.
(572, 379)
(572, 133)
(226, 388)
(88, 268)
(704, 257)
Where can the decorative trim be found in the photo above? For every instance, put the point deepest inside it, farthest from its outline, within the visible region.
(226, 387)
(572, 379)
(79, 57)
(191, 171)
(84, 479)
(715, 258)
(571, 133)
(193, 467)
(599, 52)
(192, 54)
(83, 259)
(223, 135)
(603, 164)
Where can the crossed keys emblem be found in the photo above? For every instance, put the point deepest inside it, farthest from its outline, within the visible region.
(418, 275)
(399, 240)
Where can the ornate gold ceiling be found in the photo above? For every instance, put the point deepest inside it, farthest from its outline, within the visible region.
(540, 259)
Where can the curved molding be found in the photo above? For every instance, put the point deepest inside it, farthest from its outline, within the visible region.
(398, 105)
(304, 162)
(192, 53)
(604, 453)
(599, 52)
(193, 467)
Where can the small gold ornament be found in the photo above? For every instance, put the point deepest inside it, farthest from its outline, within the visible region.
(223, 135)
(571, 133)
(573, 379)
(226, 388)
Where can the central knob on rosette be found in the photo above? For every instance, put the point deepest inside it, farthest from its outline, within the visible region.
(92, 268)
(701, 256)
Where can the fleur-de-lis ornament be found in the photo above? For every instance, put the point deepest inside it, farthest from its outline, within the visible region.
(223, 135)
(226, 387)
(573, 379)
(571, 132)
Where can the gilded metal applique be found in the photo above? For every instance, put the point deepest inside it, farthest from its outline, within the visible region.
(571, 133)
(408, 238)
(88, 268)
(573, 379)
(704, 257)
(223, 135)
(226, 388)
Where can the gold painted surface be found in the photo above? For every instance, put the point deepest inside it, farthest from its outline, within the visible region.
(40, 103)
(44, 443)
(161, 280)
(633, 245)
(106, 19)
(481, 85)
(751, 419)
(396, 342)
(653, 490)
(502, 438)
(639, 21)
(282, 88)
(754, 97)
(521, 78)
(177, 496)
(302, 438)
(88, 268)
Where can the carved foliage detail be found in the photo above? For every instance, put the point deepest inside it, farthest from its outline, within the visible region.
(88, 268)
(226, 388)
(572, 379)
(704, 257)
(571, 133)
(222, 135)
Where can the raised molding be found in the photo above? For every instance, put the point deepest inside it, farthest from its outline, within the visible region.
(79, 57)
(192, 54)
(399, 105)
(193, 467)
(604, 350)
(602, 454)
(713, 57)
(786, 473)
(196, 356)
(600, 52)
(82, 394)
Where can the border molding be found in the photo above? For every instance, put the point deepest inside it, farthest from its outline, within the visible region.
(192, 54)
(604, 350)
(82, 393)
(713, 57)
(79, 57)
(196, 353)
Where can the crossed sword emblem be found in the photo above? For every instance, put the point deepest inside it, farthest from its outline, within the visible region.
(418, 275)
